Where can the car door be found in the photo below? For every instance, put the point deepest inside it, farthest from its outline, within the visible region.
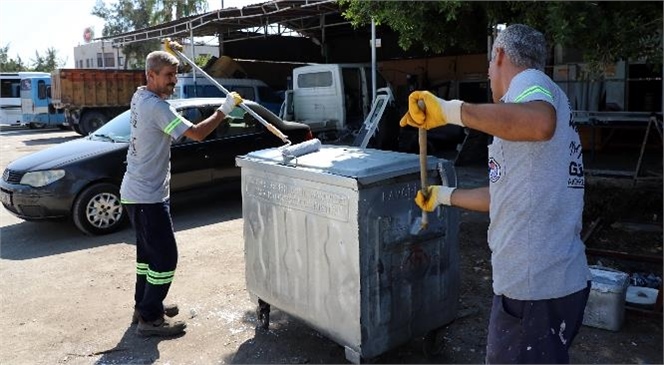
(190, 160)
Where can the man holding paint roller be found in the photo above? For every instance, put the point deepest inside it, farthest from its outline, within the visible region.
(534, 199)
(145, 190)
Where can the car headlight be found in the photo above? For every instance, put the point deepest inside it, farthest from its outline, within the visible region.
(42, 178)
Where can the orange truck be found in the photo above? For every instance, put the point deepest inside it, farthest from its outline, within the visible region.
(92, 97)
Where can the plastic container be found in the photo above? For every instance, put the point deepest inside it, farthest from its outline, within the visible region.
(606, 303)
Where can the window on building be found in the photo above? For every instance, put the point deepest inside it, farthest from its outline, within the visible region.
(109, 59)
(120, 61)
(99, 60)
(87, 63)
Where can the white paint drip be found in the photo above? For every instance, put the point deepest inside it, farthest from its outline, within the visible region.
(560, 333)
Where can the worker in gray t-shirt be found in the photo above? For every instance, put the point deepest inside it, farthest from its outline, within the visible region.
(541, 279)
(145, 189)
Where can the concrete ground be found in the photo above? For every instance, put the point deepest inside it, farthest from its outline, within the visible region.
(66, 298)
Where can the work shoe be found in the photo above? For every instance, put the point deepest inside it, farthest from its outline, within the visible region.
(170, 310)
(161, 327)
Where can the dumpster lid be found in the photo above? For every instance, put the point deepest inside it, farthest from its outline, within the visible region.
(365, 165)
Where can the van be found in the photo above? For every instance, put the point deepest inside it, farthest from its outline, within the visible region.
(250, 89)
(336, 99)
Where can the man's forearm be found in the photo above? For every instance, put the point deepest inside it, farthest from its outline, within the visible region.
(472, 199)
(201, 130)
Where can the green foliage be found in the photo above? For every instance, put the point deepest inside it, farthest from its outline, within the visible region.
(433, 25)
(127, 15)
(47, 63)
(604, 31)
(9, 64)
(202, 60)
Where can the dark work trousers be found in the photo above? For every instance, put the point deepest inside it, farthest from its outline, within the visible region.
(534, 331)
(156, 256)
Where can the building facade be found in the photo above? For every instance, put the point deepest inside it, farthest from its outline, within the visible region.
(102, 55)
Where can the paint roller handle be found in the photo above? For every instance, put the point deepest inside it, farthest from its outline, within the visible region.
(273, 129)
(422, 140)
(176, 49)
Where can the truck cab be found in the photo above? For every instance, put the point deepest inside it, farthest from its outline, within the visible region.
(333, 99)
(36, 105)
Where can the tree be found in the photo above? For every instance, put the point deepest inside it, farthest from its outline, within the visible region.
(127, 15)
(9, 64)
(47, 63)
(604, 31)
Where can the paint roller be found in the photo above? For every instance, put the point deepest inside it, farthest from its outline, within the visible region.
(300, 149)
(175, 49)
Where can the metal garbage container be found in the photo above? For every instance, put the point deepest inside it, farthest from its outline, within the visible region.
(328, 241)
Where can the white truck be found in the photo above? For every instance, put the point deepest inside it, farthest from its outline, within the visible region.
(335, 100)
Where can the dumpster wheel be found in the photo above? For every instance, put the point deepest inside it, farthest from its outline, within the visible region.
(433, 343)
(263, 314)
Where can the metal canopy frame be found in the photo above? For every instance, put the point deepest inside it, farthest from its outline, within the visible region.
(309, 18)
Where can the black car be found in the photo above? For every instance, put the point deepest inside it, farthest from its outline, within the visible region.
(81, 178)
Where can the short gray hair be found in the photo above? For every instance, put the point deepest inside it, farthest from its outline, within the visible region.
(525, 46)
(156, 60)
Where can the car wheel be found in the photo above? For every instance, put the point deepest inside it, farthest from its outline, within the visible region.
(91, 121)
(97, 210)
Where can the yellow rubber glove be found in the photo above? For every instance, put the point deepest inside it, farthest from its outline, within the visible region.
(233, 99)
(436, 112)
(436, 195)
(169, 46)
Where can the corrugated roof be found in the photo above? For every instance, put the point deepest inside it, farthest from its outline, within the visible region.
(308, 18)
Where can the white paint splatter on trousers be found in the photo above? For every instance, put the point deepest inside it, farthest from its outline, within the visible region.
(560, 333)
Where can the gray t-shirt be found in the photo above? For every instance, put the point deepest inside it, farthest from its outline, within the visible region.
(154, 124)
(537, 203)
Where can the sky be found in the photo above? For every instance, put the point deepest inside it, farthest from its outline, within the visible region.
(30, 26)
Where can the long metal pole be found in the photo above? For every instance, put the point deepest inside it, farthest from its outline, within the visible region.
(244, 106)
(373, 61)
(193, 57)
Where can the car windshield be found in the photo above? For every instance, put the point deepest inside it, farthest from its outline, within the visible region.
(117, 129)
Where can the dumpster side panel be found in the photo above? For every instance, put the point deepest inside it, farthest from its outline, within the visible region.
(301, 250)
(410, 284)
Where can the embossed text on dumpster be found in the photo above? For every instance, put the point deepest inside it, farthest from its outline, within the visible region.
(289, 195)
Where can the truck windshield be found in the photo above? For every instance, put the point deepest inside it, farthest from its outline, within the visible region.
(202, 91)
